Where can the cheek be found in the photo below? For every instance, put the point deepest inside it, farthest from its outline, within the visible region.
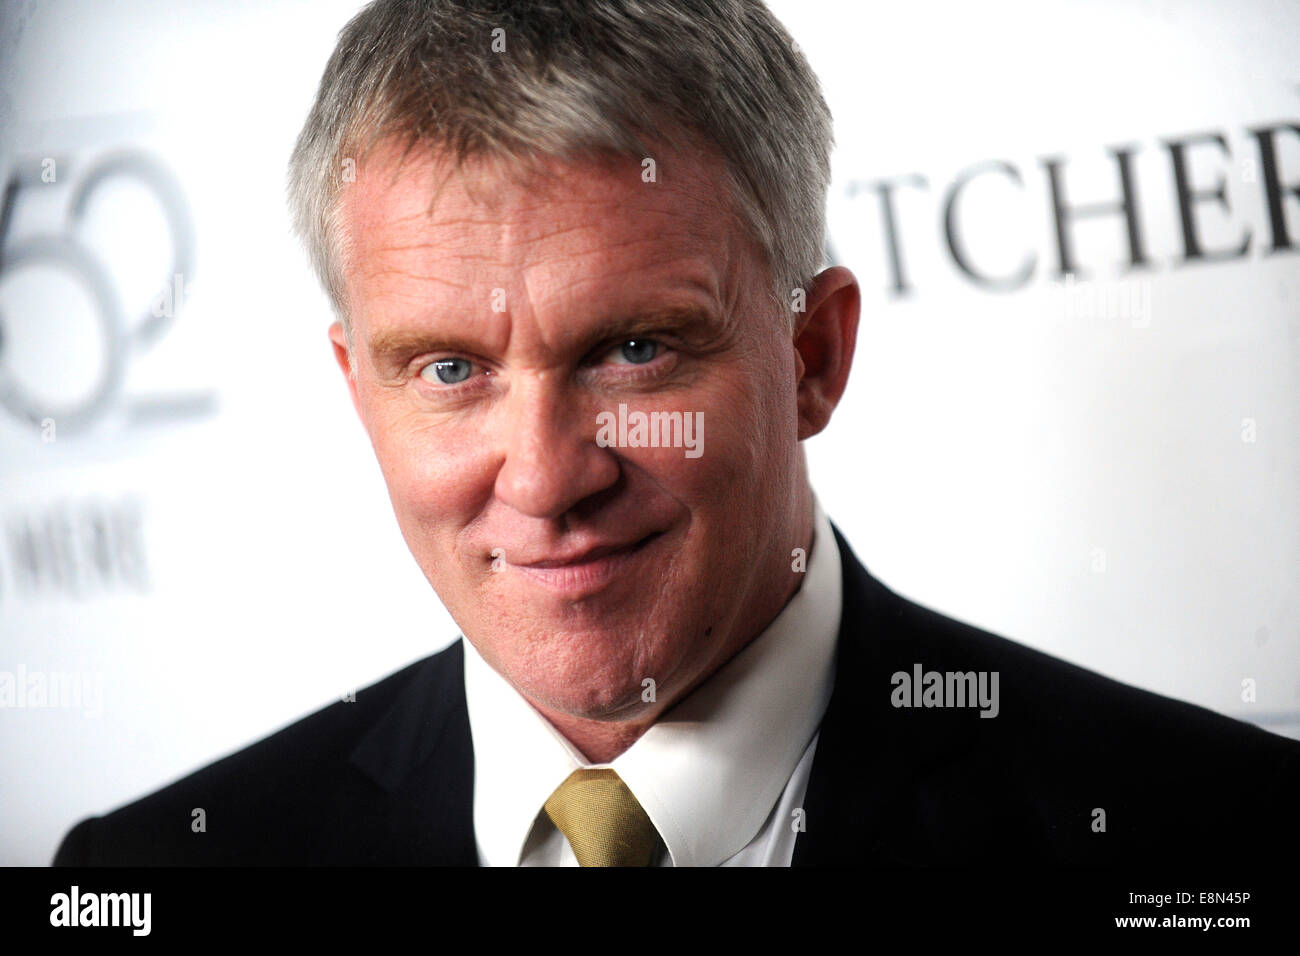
(431, 468)
(750, 429)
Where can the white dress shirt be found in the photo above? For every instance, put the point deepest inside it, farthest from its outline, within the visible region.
(722, 775)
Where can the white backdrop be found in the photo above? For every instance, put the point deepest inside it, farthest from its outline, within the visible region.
(1105, 466)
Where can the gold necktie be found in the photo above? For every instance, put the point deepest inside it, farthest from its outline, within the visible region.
(603, 822)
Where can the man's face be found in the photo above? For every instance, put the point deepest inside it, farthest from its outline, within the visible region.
(490, 333)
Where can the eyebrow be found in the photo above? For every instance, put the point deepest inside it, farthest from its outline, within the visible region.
(390, 349)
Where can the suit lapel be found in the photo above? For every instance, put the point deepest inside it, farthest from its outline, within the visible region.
(421, 757)
(868, 755)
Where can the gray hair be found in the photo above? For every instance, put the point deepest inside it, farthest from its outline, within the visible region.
(573, 78)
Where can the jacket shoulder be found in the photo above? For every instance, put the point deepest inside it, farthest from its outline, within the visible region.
(1050, 762)
(280, 799)
(1042, 696)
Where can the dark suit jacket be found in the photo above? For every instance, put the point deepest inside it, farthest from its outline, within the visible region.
(388, 779)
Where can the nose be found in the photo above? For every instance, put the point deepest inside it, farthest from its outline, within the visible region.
(552, 461)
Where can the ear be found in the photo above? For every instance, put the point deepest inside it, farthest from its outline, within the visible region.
(343, 355)
(823, 341)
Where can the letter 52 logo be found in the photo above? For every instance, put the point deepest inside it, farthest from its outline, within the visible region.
(48, 374)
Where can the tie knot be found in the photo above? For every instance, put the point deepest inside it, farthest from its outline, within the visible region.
(602, 820)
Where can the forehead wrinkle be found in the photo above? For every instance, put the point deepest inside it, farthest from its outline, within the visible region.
(703, 267)
(379, 271)
(456, 251)
(698, 191)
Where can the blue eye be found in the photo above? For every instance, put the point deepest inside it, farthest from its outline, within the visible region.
(449, 371)
(639, 351)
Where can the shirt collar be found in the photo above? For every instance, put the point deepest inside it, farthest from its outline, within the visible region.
(710, 770)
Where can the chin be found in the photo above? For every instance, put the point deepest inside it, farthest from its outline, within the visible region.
(604, 707)
(595, 675)
(587, 699)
